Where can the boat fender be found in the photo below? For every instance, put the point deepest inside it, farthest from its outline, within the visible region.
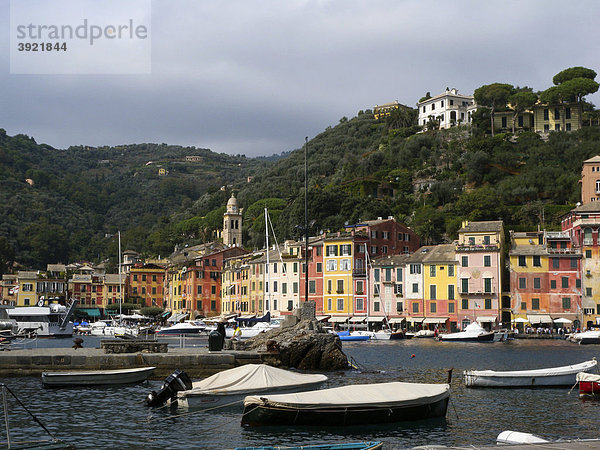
(177, 381)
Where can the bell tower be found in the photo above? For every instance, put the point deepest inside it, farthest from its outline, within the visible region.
(232, 224)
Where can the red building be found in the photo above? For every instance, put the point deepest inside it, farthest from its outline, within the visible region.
(387, 237)
(205, 281)
(315, 273)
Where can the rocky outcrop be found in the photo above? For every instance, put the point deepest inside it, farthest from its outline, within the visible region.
(304, 346)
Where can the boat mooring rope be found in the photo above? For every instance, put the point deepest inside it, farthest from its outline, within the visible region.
(189, 413)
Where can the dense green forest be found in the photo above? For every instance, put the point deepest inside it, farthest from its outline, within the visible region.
(359, 169)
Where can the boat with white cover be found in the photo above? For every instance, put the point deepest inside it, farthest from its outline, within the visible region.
(96, 377)
(472, 333)
(358, 404)
(188, 328)
(553, 376)
(231, 386)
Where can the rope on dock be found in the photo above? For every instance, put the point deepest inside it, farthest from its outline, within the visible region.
(188, 413)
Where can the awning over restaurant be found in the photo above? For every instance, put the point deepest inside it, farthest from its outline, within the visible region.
(376, 319)
(322, 318)
(415, 319)
(92, 312)
(397, 320)
(177, 317)
(338, 319)
(486, 319)
(539, 318)
(570, 316)
(435, 320)
(357, 319)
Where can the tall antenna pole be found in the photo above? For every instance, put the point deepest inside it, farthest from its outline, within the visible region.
(267, 269)
(306, 218)
(120, 281)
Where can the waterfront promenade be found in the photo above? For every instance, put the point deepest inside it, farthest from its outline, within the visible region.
(196, 362)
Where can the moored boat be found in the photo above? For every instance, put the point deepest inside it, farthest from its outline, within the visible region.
(347, 336)
(188, 328)
(335, 446)
(358, 404)
(229, 387)
(553, 376)
(589, 385)
(96, 377)
(586, 337)
(472, 333)
(44, 321)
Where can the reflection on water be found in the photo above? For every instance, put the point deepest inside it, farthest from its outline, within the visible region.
(109, 417)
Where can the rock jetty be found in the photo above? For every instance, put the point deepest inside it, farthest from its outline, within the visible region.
(300, 342)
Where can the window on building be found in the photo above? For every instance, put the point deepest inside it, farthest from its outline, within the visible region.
(523, 306)
(555, 263)
(535, 303)
(522, 261)
(312, 287)
(464, 303)
(450, 270)
(340, 286)
(319, 267)
(415, 269)
(345, 250)
(376, 290)
(464, 261)
(376, 306)
(588, 292)
(415, 307)
(536, 283)
(331, 265)
(360, 287)
(565, 282)
(415, 288)
(520, 121)
(376, 275)
(573, 263)
(387, 273)
(399, 307)
(487, 303)
(546, 128)
(568, 126)
(332, 250)
(432, 270)
(464, 285)
(433, 292)
(450, 292)
(340, 304)
(522, 283)
(329, 286)
(432, 307)
(487, 285)
(373, 249)
(329, 304)
(319, 250)
(504, 123)
(344, 264)
(556, 114)
(546, 114)
(284, 288)
(487, 261)
(566, 302)
(398, 274)
(557, 127)
(537, 261)
(451, 307)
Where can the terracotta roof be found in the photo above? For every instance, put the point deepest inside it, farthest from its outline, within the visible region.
(480, 227)
(588, 207)
(595, 159)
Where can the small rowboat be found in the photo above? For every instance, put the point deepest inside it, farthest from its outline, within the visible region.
(589, 385)
(96, 377)
(357, 404)
(553, 376)
(338, 446)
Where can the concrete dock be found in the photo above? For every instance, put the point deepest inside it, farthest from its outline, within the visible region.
(197, 362)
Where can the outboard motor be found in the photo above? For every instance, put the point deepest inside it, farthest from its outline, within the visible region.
(177, 381)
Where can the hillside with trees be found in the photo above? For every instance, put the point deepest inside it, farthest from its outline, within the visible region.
(359, 169)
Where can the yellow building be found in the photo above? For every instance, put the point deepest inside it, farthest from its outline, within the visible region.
(440, 289)
(27, 288)
(338, 291)
(556, 118)
(382, 111)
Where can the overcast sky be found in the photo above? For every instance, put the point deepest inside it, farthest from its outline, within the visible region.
(255, 77)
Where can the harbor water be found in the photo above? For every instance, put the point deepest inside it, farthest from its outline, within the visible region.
(117, 417)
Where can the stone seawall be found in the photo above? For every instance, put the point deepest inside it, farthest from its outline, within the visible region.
(195, 362)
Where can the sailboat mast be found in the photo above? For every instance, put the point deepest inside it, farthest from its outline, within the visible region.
(267, 269)
(306, 219)
(367, 282)
(120, 281)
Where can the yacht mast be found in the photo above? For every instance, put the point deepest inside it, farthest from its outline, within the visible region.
(120, 281)
(267, 268)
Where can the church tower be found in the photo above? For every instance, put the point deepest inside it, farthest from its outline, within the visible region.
(232, 224)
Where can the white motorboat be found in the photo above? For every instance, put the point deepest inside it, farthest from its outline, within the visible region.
(43, 321)
(473, 333)
(586, 337)
(188, 328)
(229, 387)
(358, 404)
(553, 376)
(254, 330)
(424, 334)
(96, 377)
(102, 328)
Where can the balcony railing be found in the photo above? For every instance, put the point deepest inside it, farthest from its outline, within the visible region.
(477, 247)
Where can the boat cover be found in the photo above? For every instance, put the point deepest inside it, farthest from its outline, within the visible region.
(380, 395)
(250, 378)
(588, 377)
(547, 372)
